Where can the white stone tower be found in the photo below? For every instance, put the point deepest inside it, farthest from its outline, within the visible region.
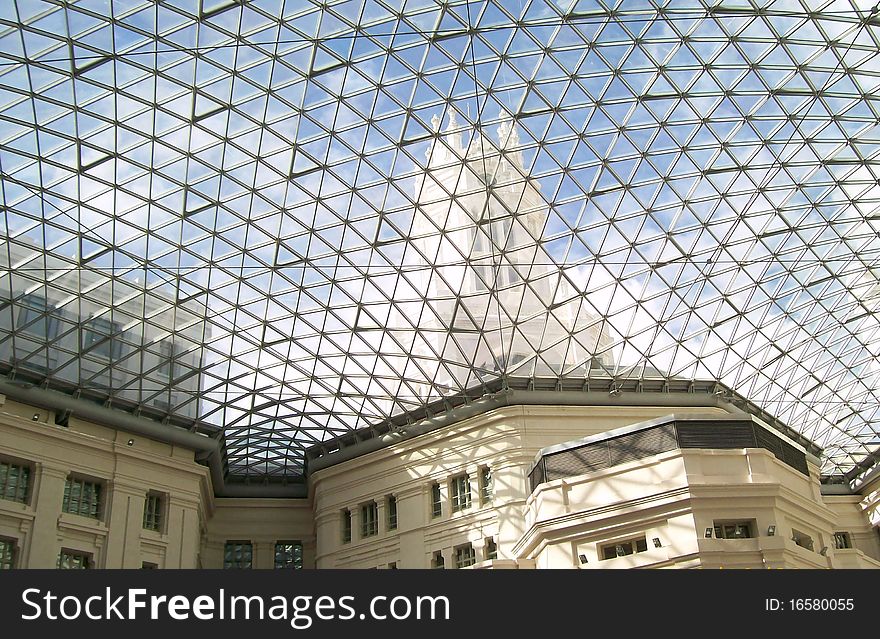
(496, 301)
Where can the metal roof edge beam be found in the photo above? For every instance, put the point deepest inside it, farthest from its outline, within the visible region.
(117, 419)
(263, 491)
(523, 398)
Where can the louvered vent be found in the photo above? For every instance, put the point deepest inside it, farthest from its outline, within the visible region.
(711, 434)
(577, 461)
(641, 444)
(716, 435)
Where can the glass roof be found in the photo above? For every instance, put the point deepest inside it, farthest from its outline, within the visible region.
(282, 220)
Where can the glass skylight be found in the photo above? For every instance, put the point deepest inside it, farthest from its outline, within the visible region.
(279, 220)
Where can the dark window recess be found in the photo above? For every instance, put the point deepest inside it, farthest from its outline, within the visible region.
(486, 485)
(436, 501)
(82, 497)
(289, 554)
(238, 554)
(73, 560)
(369, 519)
(101, 338)
(14, 481)
(346, 526)
(461, 493)
(465, 556)
(7, 554)
(733, 530)
(153, 507)
(37, 318)
(842, 540)
(391, 505)
(623, 548)
(802, 539)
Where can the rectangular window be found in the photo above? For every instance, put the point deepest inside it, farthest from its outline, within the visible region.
(7, 554)
(733, 530)
(802, 539)
(153, 511)
(166, 357)
(149, 565)
(391, 506)
(437, 560)
(486, 488)
(491, 548)
(169, 367)
(82, 497)
(346, 526)
(842, 540)
(622, 548)
(436, 503)
(74, 560)
(101, 338)
(369, 519)
(36, 317)
(461, 493)
(289, 554)
(238, 554)
(14, 479)
(465, 556)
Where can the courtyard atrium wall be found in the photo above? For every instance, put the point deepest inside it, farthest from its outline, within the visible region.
(458, 495)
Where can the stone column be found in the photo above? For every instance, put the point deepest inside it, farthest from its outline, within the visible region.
(448, 557)
(264, 554)
(381, 515)
(355, 523)
(183, 534)
(47, 497)
(511, 491)
(309, 553)
(412, 514)
(124, 523)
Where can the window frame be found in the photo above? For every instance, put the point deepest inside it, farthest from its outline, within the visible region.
(464, 562)
(723, 524)
(491, 548)
(391, 511)
(369, 524)
(70, 553)
(237, 547)
(436, 500)
(842, 540)
(460, 492)
(295, 553)
(346, 526)
(8, 553)
(170, 367)
(158, 515)
(5, 480)
(802, 539)
(486, 485)
(99, 489)
(35, 308)
(166, 360)
(98, 343)
(634, 544)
